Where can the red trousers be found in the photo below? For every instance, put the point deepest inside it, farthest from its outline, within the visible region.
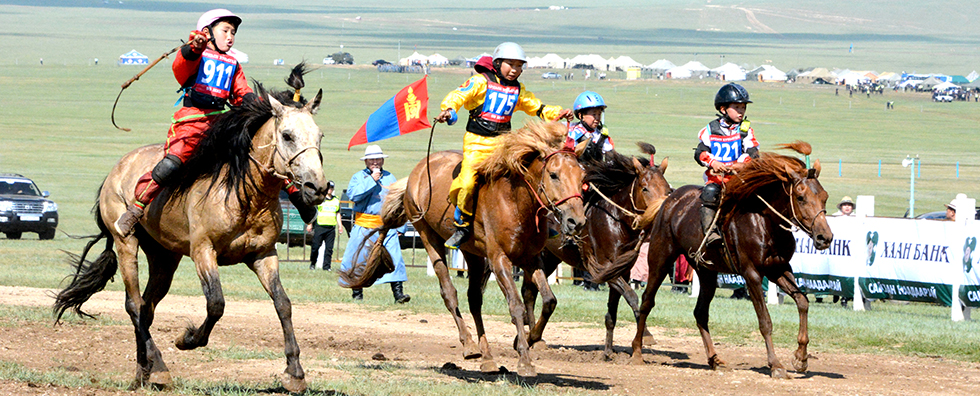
(185, 133)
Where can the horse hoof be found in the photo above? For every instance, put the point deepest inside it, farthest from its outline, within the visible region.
(779, 373)
(470, 351)
(159, 379)
(637, 360)
(488, 366)
(526, 371)
(607, 355)
(801, 366)
(540, 345)
(292, 384)
(648, 340)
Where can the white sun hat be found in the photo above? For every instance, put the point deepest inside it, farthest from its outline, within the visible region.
(373, 151)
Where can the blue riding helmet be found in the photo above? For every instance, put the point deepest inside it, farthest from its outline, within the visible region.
(588, 99)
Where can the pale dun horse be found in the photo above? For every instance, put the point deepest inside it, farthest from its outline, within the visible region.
(225, 211)
(533, 176)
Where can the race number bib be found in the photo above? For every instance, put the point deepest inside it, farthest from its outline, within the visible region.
(726, 148)
(498, 104)
(215, 74)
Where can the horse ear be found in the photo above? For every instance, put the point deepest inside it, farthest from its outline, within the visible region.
(579, 148)
(816, 168)
(314, 106)
(788, 175)
(277, 108)
(637, 165)
(663, 165)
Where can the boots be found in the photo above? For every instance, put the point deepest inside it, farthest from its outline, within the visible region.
(711, 235)
(127, 222)
(357, 294)
(400, 297)
(461, 235)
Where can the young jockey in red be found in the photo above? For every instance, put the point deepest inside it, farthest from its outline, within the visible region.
(724, 146)
(211, 78)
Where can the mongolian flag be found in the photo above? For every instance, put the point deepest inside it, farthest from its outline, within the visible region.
(402, 114)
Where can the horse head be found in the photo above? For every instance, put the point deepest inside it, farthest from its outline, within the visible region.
(557, 177)
(297, 147)
(808, 202)
(650, 187)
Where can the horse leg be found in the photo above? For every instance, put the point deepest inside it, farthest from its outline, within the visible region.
(162, 264)
(658, 271)
(548, 304)
(450, 298)
(207, 271)
(612, 310)
(709, 284)
(129, 268)
(753, 284)
(267, 270)
(529, 290)
(502, 269)
(474, 294)
(620, 287)
(787, 282)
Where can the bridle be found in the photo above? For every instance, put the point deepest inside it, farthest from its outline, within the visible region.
(795, 223)
(275, 143)
(547, 203)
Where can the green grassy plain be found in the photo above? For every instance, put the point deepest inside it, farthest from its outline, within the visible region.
(55, 123)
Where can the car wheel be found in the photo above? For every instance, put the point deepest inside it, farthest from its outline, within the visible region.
(13, 235)
(49, 234)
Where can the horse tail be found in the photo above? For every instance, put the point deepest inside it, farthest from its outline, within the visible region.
(624, 262)
(89, 277)
(378, 261)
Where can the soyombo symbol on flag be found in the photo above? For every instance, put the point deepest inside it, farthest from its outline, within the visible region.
(402, 114)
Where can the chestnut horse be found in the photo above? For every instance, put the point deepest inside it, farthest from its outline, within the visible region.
(623, 198)
(224, 211)
(527, 179)
(761, 204)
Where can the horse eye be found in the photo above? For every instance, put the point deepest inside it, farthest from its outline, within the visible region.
(287, 137)
(554, 176)
(645, 189)
(801, 198)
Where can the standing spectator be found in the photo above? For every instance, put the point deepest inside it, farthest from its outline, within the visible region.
(325, 228)
(367, 189)
(951, 211)
(845, 207)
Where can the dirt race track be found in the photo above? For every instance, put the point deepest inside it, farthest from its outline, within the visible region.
(425, 345)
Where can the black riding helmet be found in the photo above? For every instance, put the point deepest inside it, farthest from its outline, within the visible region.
(731, 93)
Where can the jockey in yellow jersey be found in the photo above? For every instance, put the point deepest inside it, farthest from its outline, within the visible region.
(491, 97)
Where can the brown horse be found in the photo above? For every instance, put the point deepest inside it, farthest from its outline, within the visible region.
(761, 204)
(528, 178)
(225, 211)
(623, 198)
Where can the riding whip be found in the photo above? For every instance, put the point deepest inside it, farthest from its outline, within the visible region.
(137, 77)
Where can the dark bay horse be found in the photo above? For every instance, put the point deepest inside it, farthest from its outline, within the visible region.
(224, 211)
(624, 196)
(529, 178)
(760, 206)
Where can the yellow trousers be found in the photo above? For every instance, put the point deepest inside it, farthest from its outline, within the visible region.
(476, 148)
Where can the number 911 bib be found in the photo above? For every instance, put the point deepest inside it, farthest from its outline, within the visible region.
(215, 73)
(726, 148)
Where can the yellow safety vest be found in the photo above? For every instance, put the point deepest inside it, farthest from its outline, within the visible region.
(326, 212)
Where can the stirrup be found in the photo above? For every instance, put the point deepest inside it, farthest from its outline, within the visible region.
(458, 237)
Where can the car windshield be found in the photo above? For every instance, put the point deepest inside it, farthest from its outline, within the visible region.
(18, 188)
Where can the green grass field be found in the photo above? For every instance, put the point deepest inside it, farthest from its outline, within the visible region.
(55, 126)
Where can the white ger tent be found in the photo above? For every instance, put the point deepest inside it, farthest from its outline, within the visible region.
(729, 72)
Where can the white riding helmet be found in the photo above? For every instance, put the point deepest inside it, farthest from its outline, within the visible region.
(509, 50)
(210, 17)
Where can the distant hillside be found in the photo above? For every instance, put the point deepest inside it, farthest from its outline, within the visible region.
(924, 36)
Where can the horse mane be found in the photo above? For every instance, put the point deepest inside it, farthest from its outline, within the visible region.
(761, 172)
(611, 175)
(228, 141)
(516, 150)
